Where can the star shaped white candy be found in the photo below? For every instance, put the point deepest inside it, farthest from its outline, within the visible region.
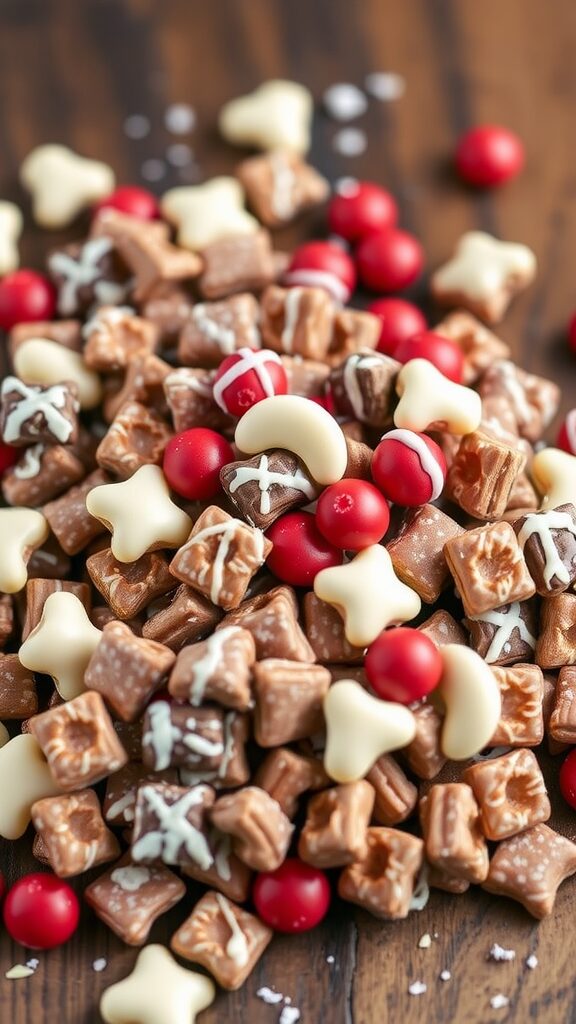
(10, 231)
(158, 991)
(140, 514)
(62, 184)
(360, 728)
(554, 473)
(368, 595)
(24, 778)
(277, 115)
(22, 530)
(485, 271)
(205, 213)
(62, 643)
(427, 396)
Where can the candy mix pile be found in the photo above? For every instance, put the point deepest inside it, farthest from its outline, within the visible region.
(226, 491)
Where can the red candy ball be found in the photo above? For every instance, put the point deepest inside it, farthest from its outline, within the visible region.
(25, 296)
(193, 460)
(568, 779)
(489, 155)
(246, 377)
(403, 665)
(567, 434)
(41, 911)
(322, 265)
(352, 514)
(409, 468)
(294, 898)
(445, 354)
(360, 207)
(9, 455)
(133, 200)
(300, 551)
(399, 320)
(388, 261)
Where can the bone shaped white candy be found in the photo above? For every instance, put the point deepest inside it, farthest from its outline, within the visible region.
(22, 530)
(24, 778)
(205, 213)
(10, 231)
(40, 361)
(62, 643)
(158, 991)
(277, 115)
(554, 474)
(360, 728)
(485, 270)
(62, 184)
(427, 397)
(471, 694)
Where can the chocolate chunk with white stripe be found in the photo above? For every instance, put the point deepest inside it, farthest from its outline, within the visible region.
(268, 485)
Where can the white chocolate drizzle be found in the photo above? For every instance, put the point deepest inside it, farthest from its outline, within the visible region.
(542, 525)
(351, 382)
(308, 278)
(283, 182)
(130, 878)
(83, 271)
(427, 461)
(249, 360)
(222, 336)
(208, 664)
(237, 945)
(226, 533)
(505, 623)
(106, 319)
(267, 478)
(174, 830)
(31, 462)
(48, 402)
(291, 317)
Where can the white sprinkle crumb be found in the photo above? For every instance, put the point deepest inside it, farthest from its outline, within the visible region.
(289, 1015)
(179, 154)
(350, 142)
(180, 118)
(435, 935)
(33, 963)
(330, 959)
(153, 170)
(267, 995)
(499, 954)
(344, 101)
(346, 186)
(385, 85)
(531, 962)
(100, 964)
(421, 893)
(445, 975)
(417, 988)
(425, 941)
(137, 126)
(18, 971)
(499, 1001)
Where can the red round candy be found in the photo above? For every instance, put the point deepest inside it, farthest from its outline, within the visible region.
(489, 155)
(25, 296)
(388, 261)
(399, 320)
(9, 455)
(568, 779)
(409, 468)
(300, 551)
(193, 460)
(41, 911)
(360, 207)
(323, 265)
(352, 514)
(567, 434)
(133, 200)
(403, 665)
(443, 353)
(246, 377)
(294, 898)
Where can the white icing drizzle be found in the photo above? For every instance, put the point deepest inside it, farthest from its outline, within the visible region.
(351, 382)
(291, 316)
(84, 270)
(130, 878)
(31, 462)
(319, 279)
(105, 319)
(174, 830)
(224, 337)
(36, 400)
(191, 778)
(162, 734)
(250, 360)
(427, 460)
(283, 182)
(124, 805)
(516, 392)
(200, 745)
(505, 623)
(542, 524)
(267, 478)
(221, 845)
(208, 664)
(237, 945)
(226, 532)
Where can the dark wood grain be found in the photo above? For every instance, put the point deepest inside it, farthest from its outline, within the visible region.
(71, 71)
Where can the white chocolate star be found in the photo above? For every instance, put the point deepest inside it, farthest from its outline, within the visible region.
(367, 594)
(277, 115)
(22, 530)
(62, 644)
(158, 991)
(427, 397)
(62, 184)
(473, 703)
(40, 361)
(24, 778)
(140, 514)
(10, 231)
(360, 728)
(205, 213)
(554, 474)
(486, 272)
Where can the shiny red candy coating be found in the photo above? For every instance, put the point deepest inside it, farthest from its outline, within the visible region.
(133, 200)
(409, 468)
(247, 377)
(568, 779)
(489, 155)
(300, 551)
(352, 514)
(193, 460)
(566, 439)
(443, 353)
(389, 260)
(9, 455)
(403, 665)
(399, 320)
(322, 265)
(41, 911)
(294, 898)
(25, 296)
(361, 207)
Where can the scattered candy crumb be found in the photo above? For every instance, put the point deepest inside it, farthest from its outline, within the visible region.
(100, 964)
(344, 101)
(499, 1001)
(500, 954)
(33, 963)
(267, 995)
(350, 142)
(179, 154)
(445, 975)
(531, 962)
(153, 170)
(289, 1015)
(385, 85)
(180, 119)
(19, 971)
(417, 988)
(330, 959)
(137, 126)
(425, 941)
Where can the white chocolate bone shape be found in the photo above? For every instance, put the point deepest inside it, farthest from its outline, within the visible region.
(367, 594)
(360, 728)
(24, 778)
(140, 514)
(62, 184)
(300, 426)
(10, 230)
(483, 265)
(277, 115)
(427, 397)
(205, 213)
(158, 991)
(554, 475)
(22, 530)
(40, 361)
(62, 644)
(471, 694)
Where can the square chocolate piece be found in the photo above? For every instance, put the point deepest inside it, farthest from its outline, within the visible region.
(521, 720)
(190, 398)
(489, 568)
(354, 331)
(114, 335)
(127, 669)
(136, 437)
(480, 347)
(383, 881)
(364, 387)
(187, 618)
(511, 793)
(122, 787)
(214, 330)
(42, 473)
(272, 618)
(417, 550)
(325, 631)
(395, 796)
(289, 698)
(218, 669)
(548, 540)
(442, 629)
(260, 830)
(32, 414)
(279, 185)
(268, 485)
(556, 645)
(452, 835)
(337, 820)
(297, 321)
(286, 775)
(169, 825)
(534, 400)
(531, 867)
(562, 724)
(74, 833)
(505, 635)
(70, 520)
(130, 897)
(129, 587)
(237, 263)
(18, 696)
(482, 475)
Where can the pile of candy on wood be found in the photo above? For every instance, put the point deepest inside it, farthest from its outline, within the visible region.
(301, 575)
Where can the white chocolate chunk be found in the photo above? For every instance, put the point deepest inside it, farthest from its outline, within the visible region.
(40, 361)
(482, 265)
(62, 184)
(471, 694)
(277, 115)
(22, 530)
(299, 426)
(427, 397)
(360, 728)
(158, 991)
(554, 474)
(62, 644)
(205, 213)
(10, 230)
(24, 778)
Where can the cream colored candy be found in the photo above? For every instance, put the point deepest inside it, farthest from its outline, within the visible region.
(140, 514)
(483, 265)
(24, 778)
(62, 644)
(471, 694)
(360, 728)
(367, 594)
(4, 735)
(10, 230)
(158, 991)
(554, 475)
(300, 426)
(22, 530)
(40, 361)
(205, 213)
(427, 397)
(277, 115)
(62, 184)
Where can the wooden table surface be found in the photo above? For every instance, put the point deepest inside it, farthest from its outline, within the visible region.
(72, 72)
